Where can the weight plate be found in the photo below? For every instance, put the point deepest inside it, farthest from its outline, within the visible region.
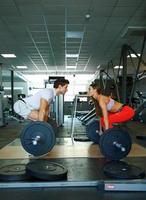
(33, 130)
(122, 170)
(46, 170)
(53, 124)
(111, 136)
(14, 172)
(81, 138)
(92, 131)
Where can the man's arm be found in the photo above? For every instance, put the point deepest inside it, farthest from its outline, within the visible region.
(44, 110)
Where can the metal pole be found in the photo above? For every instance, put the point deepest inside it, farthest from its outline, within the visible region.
(139, 57)
(1, 98)
(73, 119)
(124, 75)
(1, 87)
(12, 91)
(115, 80)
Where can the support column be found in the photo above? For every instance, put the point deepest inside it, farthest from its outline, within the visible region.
(12, 91)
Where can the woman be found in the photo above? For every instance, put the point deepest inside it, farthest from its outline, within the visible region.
(108, 109)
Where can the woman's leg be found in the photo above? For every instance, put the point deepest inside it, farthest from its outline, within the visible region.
(124, 115)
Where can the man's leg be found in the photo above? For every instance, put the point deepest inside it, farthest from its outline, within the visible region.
(22, 109)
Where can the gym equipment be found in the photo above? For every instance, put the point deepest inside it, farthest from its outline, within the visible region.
(123, 170)
(46, 170)
(59, 109)
(38, 138)
(2, 120)
(81, 138)
(88, 119)
(14, 172)
(115, 143)
(140, 114)
(53, 123)
(21, 96)
(92, 130)
(82, 173)
(91, 112)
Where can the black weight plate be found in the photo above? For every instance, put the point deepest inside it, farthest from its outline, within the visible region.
(81, 138)
(106, 143)
(46, 133)
(122, 170)
(45, 170)
(53, 123)
(14, 172)
(92, 130)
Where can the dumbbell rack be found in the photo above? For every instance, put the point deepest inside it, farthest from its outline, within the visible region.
(74, 115)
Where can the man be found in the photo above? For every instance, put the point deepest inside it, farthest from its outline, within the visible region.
(37, 107)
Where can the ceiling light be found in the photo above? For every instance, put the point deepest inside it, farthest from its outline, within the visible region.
(87, 16)
(21, 67)
(8, 55)
(72, 55)
(74, 34)
(117, 67)
(133, 55)
(71, 67)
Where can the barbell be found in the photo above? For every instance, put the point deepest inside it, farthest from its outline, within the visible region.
(115, 143)
(38, 138)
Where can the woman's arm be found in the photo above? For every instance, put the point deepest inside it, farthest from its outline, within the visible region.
(104, 112)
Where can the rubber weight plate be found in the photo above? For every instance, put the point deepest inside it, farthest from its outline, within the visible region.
(81, 138)
(123, 170)
(107, 140)
(33, 130)
(92, 131)
(14, 172)
(45, 170)
(53, 123)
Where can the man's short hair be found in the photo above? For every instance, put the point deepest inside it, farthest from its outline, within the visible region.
(60, 81)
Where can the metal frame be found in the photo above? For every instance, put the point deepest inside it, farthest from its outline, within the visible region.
(106, 185)
(103, 81)
(140, 60)
(125, 51)
(74, 116)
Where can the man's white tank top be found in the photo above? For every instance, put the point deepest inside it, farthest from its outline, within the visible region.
(34, 101)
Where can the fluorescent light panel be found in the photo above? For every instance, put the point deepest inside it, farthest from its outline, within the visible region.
(74, 34)
(8, 55)
(71, 67)
(72, 55)
(133, 55)
(21, 67)
(117, 67)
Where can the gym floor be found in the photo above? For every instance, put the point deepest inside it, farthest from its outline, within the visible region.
(77, 163)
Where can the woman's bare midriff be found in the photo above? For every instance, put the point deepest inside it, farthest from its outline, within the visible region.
(116, 107)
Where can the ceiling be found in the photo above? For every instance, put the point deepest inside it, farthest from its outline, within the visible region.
(42, 32)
